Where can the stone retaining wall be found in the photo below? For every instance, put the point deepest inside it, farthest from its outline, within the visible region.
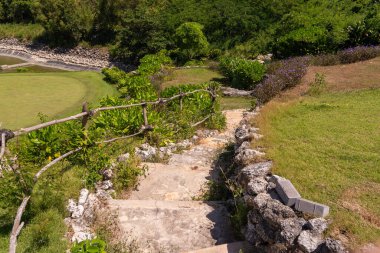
(274, 224)
(76, 59)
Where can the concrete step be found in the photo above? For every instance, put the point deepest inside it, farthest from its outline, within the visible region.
(235, 247)
(173, 226)
(172, 182)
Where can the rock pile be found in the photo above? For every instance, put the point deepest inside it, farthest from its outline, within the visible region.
(148, 153)
(77, 58)
(272, 225)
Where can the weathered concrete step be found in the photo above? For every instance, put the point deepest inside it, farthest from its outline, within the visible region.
(236, 247)
(173, 226)
(172, 182)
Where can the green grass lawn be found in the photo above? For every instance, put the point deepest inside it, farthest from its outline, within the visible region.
(328, 146)
(191, 76)
(24, 95)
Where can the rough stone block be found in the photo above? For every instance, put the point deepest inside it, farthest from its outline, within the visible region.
(310, 207)
(288, 193)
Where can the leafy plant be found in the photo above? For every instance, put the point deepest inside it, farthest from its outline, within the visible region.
(242, 73)
(90, 246)
(318, 86)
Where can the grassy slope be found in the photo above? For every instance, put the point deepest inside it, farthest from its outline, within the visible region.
(23, 96)
(329, 147)
(201, 75)
(191, 76)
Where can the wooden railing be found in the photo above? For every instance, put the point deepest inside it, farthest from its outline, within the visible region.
(85, 115)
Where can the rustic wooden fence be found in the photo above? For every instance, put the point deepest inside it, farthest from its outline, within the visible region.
(85, 116)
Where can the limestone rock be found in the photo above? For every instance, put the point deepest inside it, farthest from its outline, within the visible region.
(248, 156)
(232, 92)
(124, 157)
(309, 241)
(290, 230)
(146, 152)
(257, 185)
(318, 225)
(332, 246)
(253, 171)
(107, 174)
(71, 206)
(83, 196)
(78, 212)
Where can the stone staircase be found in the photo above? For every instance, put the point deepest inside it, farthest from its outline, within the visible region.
(161, 216)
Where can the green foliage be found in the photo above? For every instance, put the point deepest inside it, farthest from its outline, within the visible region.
(152, 63)
(191, 42)
(65, 21)
(90, 246)
(241, 72)
(113, 75)
(318, 86)
(44, 234)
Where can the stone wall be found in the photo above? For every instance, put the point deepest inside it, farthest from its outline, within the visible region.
(77, 58)
(274, 224)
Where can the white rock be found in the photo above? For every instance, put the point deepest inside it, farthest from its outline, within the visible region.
(318, 225)
(78, 212)
(257, 185)
(309, 241)
(123, 157)
(83, 196)
(82, 236)
(71, 206)
(106, 185)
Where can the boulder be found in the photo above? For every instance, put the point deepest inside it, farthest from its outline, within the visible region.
(309, 241)
(232, 92)
(83, 196)
(248, 156)
(332, 246)
(319, 225)
(123, 157)
(290, 230)
(253, 171)
(257, 185)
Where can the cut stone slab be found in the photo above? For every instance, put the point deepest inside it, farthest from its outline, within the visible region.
(171, 182)
(310, 207)
(235, 247)
(287, 192)
(173, 226)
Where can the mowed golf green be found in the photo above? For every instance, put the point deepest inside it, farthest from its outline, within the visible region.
(24, 95)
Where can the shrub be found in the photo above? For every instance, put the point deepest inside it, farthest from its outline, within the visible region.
(325, 60)
(152, 63)
(241, 72)
(281, 75)
(356, 54)
(113, 75)
(191, 42)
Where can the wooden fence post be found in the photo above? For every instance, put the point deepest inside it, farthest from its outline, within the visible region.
(145, 115)
(86, 117)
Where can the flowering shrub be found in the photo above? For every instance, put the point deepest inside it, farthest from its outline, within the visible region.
(349, 55)
(281, 75)
(360, 53)
(241, 72)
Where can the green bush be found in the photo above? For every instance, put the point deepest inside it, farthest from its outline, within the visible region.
(152, 63)
(242, 73)
(113, 75)
(90, 246)
(191, 42)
